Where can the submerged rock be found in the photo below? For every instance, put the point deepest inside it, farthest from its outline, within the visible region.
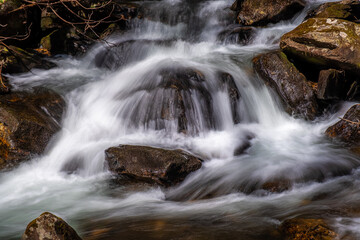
(152, 165)
(262, 12)
(301, 229)
(236, 34)
(291, 85)
(325, 42)
(28, 120)
(48, 226)
(347, 129)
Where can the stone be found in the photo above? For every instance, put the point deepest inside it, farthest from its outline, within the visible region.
(48, 226)
(332, 85)
(262, 12)
(347, 129)
(347, 10)
(154, 165)
(28, 120)
(236, 34)
(325, 42)
(291, 85)
(301, 229)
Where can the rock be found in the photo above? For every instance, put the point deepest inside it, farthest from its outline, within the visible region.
(27, 122)
(236, 34)
(325, 42)
(147, 164)
(262, 12)
(48, 226)
(347, 10)
(304, 229)
(17, 60)
(291, 85)
(347, 129)
(332, 85)
(180, 99)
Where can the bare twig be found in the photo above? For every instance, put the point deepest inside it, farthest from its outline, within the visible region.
(349, 121)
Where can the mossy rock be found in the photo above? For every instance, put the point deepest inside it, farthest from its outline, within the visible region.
(326, 42)
(347, 10)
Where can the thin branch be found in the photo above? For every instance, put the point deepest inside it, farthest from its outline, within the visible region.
(349, 121)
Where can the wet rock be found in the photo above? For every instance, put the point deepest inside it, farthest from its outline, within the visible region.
(236, 34)
(347, 10)
(325, 42)
(17, 60)
(27, 123)
(262, 12)
(180, 99)
(277, 185)
(291, 85)
(347, 129)
(332, 85)
(301, 229)
(49, 226)
(147, 164)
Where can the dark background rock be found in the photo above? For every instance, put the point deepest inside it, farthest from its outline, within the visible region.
(347, 10)
(332, 84)
(147, 164)
(48, 226)
(263, 12)
(291, 85)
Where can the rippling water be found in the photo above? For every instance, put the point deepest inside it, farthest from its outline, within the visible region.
(113, 98)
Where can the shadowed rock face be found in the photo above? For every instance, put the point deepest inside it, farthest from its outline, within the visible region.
(48, 226)
(262, 12)
(301, 229)
(348, 129)
(291, 85)
(152, 165)
(332, 85)
(27, 122)
(325, 42)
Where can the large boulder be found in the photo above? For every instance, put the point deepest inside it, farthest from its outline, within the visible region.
(152, 165)
(347, 10)
(180, 99)
(301, 229)
(325, 42)
(262, 12)
(28, 120)
(48, 226)
(348, 128)
(291, 85)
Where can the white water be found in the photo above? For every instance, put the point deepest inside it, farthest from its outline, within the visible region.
(100, 103)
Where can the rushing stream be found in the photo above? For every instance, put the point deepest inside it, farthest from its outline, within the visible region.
(113, 98)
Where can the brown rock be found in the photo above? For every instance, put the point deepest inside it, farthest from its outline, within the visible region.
(147, 164)
(291, 85)
(347, 10)
(325, 42)
(306, 229)
(236, 34)
(348, 128)
(48, 226)
(27, 122)
(332, 85)
(262, 12)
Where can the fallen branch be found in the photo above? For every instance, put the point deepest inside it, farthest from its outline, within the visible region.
(349, 121)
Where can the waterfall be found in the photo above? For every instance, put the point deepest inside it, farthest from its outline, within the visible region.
(130, 90)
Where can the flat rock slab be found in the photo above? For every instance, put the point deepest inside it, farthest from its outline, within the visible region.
(329, 42)
(148, 164)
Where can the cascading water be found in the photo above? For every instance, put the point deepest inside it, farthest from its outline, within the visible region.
(122, 94)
